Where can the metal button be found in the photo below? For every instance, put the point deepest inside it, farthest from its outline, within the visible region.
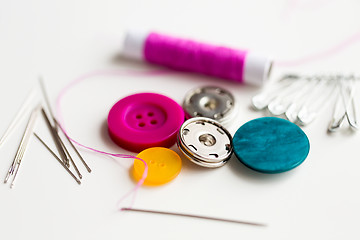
(205, 142)
(211, 102)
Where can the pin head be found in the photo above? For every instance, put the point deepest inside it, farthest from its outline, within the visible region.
(205, 142)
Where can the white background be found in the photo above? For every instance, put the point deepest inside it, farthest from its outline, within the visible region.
(64, 39)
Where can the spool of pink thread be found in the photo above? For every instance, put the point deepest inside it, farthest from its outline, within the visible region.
(186, 55)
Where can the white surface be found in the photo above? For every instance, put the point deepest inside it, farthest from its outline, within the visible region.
(64, 39)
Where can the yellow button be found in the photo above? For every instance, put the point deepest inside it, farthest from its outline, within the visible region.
(163, 165)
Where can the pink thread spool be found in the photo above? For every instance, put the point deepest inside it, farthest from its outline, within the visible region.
(186, 55)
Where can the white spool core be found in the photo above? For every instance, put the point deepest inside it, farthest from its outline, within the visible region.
(257, 69)
(134, 44)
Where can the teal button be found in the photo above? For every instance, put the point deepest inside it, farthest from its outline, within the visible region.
(271, 145)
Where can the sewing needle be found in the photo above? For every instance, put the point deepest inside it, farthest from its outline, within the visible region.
(57, 158)
(56, 138)
(19, 115)
(75, 150)
(46, 98)
(193, 216)
(57, 126)
(19, 152)
(53, 126)
(14, 168)
(71, 160)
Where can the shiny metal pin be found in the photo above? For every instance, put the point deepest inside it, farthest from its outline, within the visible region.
(56, 138)
(24, 109)
(58, 159)
(15, 166)
(194, 216)
(74, 148)
(345, 107)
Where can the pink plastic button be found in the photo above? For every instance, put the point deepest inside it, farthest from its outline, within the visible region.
(145, 120)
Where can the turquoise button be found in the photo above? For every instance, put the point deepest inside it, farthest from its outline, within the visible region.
(271, 145)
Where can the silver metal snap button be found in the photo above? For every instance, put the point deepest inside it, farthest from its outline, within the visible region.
(205, 142)
(211, 102)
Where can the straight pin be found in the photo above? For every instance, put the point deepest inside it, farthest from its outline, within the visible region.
(193, 216)
(58, 159)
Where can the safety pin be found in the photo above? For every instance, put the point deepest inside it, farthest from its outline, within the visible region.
(346, 100)
(351, 117)
(58, 159)
(19, 116)
(338, 114)
(14, 168)
(193, 216)
(262, 100)
(316, 102)
(291, 112)
(277, 107)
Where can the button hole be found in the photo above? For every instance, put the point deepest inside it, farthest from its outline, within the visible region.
(153, 122)
(139, 116)
(141, 124)
(150, 114)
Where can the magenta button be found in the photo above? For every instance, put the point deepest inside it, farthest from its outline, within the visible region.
(145, 120)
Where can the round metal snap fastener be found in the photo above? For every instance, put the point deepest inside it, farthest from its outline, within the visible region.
(211, 102)
(145, 120)
(271, 145)
(205, 142)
